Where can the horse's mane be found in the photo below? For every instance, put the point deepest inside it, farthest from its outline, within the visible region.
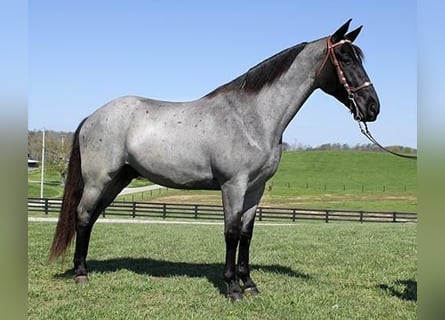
(262, 74)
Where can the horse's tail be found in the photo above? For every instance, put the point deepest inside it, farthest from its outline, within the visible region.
(66, 226)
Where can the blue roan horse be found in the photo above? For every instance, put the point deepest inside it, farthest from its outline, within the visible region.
(230, 140)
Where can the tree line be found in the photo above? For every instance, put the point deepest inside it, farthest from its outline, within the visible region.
(346, 147)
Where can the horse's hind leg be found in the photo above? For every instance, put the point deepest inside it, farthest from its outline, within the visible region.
(95, 198)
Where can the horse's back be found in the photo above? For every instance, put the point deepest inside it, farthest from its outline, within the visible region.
(159, 139)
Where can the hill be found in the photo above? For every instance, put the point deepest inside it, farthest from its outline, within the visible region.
(311, 179)
(325, 179)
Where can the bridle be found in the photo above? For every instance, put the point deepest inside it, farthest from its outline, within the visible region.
(341, 76)
(351, 93)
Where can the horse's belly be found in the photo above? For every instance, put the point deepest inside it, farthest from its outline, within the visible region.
(178, 178)
(174, 167)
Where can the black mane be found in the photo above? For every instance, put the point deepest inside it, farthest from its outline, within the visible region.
(262, 74)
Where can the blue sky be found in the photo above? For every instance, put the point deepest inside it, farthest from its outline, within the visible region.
(84, 53)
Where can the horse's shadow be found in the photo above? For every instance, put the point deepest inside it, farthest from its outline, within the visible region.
(163, 269)
(402, 289)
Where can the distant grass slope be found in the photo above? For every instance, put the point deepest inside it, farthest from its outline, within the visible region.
(345, 171)
(340, 179)
(314, 179)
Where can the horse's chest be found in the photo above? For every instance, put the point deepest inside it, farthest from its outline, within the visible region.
(269, 166)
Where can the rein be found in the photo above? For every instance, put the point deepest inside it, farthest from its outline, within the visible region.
(368, 135)
(351, 93)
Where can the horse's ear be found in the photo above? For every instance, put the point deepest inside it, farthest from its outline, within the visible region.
(340, 33)
(351, 36)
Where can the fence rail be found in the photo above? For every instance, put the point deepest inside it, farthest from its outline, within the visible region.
(215, 212)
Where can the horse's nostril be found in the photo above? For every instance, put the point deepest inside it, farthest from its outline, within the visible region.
(373, 109)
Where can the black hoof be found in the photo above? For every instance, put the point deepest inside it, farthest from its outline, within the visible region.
(235, 296)
(251, 291)
(81, 279)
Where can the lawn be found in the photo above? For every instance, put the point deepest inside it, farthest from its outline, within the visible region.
(324, 180)
(307, 179)
(159, 271)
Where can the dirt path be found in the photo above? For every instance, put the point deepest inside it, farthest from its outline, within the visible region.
(141, 189)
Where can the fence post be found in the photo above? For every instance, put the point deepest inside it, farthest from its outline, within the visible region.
(361, 216)
(260, 213)
(196, 211)
(293, 215)
(134, 210)
(164, 211)
(46, 206)
(394, 217)
(326, 218)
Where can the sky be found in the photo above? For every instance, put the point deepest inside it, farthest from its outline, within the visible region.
(82, 54)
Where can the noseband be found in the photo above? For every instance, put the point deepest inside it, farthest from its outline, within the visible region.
(351, 93)
(341, 76)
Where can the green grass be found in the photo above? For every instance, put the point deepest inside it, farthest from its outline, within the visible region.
(304, 271)
(309, 179)
(325, 180)
(53, 186)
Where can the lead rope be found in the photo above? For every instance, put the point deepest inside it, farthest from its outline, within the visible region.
(368, 135)
(351, 94)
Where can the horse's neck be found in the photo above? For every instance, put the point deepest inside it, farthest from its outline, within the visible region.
(278, 103)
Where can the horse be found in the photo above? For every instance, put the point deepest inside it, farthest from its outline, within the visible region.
(228, 140)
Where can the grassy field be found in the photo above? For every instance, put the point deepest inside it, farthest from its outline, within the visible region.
(324, 180)
(308, 179)
(307, 270)
(53, 186)
(158, 271)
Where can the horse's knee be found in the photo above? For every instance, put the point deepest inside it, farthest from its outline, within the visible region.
(83, 219)
(86, 210)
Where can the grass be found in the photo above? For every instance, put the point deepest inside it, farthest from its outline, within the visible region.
(53, 185)
(325, 180)
(309, 179)
(304, 271)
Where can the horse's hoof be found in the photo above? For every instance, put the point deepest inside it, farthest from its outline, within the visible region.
(81, 279)
(251, 291)
(235, 296)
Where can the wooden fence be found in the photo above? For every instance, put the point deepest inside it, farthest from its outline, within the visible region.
(215, 212)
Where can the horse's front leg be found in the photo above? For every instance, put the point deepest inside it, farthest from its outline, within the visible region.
(250, 205)
(233, 193)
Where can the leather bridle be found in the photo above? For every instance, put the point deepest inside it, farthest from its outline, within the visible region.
(351, 93)
(341, 76)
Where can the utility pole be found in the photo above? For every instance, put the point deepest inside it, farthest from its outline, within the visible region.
(42, 177)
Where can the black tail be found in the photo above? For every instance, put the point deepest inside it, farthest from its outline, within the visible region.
(66, 227)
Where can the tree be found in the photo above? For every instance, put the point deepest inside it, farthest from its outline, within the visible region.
(57, 149)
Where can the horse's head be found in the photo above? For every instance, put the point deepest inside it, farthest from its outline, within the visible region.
(341, 74)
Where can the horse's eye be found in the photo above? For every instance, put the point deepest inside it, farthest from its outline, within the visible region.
(348, 61)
